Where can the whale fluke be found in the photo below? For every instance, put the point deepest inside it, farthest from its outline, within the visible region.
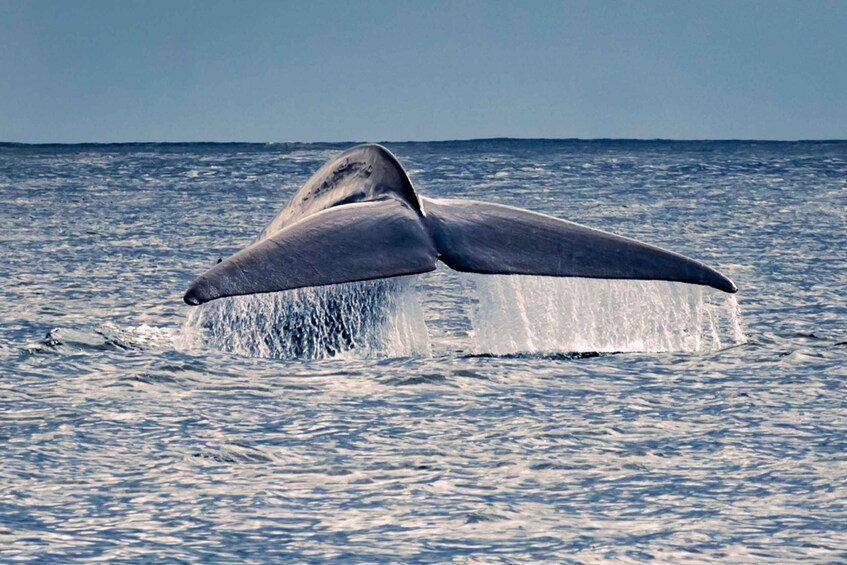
(480, 237)
(359, 218)
(353, 242)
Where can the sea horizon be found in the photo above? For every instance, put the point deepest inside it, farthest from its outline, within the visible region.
(429, 141)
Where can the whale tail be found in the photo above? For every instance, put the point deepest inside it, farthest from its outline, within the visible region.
(363, 241)
(359, 218)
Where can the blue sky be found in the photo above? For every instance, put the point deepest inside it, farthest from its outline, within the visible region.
(73, 71)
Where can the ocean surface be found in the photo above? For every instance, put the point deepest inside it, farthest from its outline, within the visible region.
(464, 418)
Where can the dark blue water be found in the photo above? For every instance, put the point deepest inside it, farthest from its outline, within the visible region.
(464, 428)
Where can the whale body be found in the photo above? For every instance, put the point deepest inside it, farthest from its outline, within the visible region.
(359, 218)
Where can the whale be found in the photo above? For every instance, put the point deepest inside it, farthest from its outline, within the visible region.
(359, 218)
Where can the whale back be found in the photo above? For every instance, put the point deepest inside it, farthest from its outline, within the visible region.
(365, 173)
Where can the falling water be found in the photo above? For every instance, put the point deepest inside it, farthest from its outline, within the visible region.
(508, 314)
(523, 314)
(364, 319)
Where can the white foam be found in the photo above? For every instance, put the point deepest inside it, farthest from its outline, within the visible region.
(524, 314)
(142, 336)
(363, 319)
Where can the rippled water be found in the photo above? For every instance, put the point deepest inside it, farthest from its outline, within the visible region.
(466, 418)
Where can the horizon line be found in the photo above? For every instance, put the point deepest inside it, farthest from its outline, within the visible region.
(461, 140)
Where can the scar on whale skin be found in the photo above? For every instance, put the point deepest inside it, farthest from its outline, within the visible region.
(359, 218)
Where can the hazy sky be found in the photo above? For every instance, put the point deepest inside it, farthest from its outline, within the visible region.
(123, 70)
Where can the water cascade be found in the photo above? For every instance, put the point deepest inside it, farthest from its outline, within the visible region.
(365, 319)
(525, 314)
(507, 314)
